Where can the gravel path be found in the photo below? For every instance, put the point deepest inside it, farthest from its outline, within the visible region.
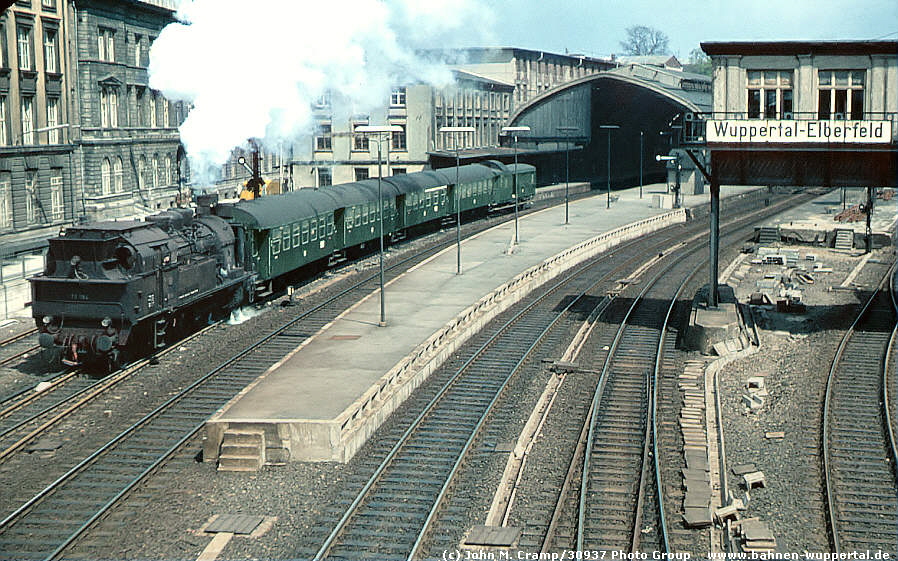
(794, 358)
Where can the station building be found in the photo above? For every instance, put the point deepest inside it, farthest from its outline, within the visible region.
(82, 136)
(37, 183)
(802, 113)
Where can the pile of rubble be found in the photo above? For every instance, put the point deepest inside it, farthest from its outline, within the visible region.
(785, 287)
(855, 213)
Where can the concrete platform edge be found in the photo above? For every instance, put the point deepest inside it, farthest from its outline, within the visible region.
(340, 438)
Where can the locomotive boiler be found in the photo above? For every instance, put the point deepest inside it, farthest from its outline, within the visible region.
(114, 287)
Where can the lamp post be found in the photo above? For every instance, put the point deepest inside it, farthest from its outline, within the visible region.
(677, 169)
(609, 128)
(514, 176)
(457, 194)
(641, 150)
(380, 132)
(567, 166)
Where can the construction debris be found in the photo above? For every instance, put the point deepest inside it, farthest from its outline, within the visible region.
(855, 213)
(756, 536)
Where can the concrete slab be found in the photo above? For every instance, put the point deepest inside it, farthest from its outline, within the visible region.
(322, 401)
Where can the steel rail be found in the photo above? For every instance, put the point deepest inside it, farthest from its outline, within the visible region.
(558, 317)
(17, 336)
(827, 411)
(603, 379)
(558, 509)
(86, 462)
(441, 393)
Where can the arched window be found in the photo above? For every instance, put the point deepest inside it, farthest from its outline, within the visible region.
(117, 175)
(141, 172)
(155, 171)
(166, 171)
(106, 176)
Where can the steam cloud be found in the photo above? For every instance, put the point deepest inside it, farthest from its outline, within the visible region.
(253, 69)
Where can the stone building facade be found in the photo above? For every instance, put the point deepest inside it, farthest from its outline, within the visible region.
(37, 182)
(129, 148)
(338, 155)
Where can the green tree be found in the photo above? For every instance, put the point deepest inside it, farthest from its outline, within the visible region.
(699, 62)
(644, 40)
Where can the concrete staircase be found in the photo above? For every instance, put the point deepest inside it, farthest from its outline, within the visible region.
(768, 235)
(844, 239)
(242, 450)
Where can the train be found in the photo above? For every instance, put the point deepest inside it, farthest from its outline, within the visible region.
(114, 290)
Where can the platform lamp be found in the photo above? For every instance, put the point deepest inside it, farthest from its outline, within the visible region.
(514, 176)
(641, 151)
(609, 128)
(457, 193)
(678, 168)
(380, 133)
(567, 166)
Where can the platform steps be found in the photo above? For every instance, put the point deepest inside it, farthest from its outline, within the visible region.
(242, 450)
(844, 239)
(768, 235)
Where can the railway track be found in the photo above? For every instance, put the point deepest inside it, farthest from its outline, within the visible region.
(387, 517)
(17, 346)
(859, 452)
(621, 447)
(89, 489)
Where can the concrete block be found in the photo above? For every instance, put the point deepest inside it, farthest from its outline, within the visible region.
(754, 479)
(697, 517)
(753, 402)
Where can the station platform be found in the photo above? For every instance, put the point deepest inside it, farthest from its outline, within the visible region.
(815, 221)
(322, 401)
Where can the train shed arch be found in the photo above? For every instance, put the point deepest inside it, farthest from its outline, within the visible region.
(637, 98)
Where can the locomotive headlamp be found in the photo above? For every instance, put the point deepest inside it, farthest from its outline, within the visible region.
(47, 320)
(106, 322)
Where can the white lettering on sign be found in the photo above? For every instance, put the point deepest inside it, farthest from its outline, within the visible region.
(833, 132)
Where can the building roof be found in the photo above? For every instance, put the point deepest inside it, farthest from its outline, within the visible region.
(664, 61)
(847, 47)
(474, 77)
(477, 55)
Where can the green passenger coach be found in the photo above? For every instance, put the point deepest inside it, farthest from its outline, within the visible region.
(279, 234)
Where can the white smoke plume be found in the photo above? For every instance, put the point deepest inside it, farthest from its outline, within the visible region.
(253, 69)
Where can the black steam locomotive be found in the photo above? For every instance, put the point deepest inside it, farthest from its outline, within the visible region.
(111, 286)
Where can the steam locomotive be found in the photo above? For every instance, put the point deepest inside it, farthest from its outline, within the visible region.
(113, 290)
(114, 287)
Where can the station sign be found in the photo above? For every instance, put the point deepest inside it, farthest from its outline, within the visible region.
(792, 131)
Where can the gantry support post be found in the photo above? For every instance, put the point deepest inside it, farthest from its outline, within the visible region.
(713, 296)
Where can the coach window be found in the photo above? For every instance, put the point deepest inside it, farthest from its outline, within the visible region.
(770, 94)
(276, 241)
(296, 234)
(321, 226)
(330, 225)
(841, 94)
(286, 238)
(305, 231)
(313, 227)
(358, 216)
